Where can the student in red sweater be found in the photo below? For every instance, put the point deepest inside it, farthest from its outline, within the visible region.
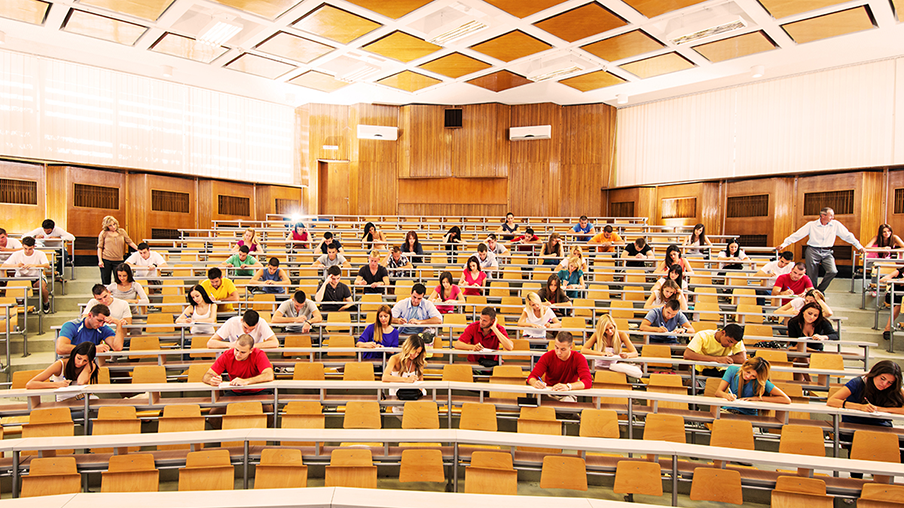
(565, 370)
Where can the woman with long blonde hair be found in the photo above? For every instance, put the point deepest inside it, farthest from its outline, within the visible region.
(407, 366)
(574, 252)
(249, 238)
(537, 317)
(111, 248)
(608, 345)
(749, 381)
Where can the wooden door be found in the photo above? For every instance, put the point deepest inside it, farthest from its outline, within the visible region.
(334, 188)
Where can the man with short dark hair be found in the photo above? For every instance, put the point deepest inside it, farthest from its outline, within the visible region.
(607, 240)
(7, 245)
(91, 329)
(242, 262)
(30, 263)
(328, 240)
(583, 230)
(792, 283)
(496, 247)
(333, 290)
(665, 319)
(637, 251)
(485, 333)
(330, 259)
(416, 310)
(51, 236)
(485, 258)
(220, 289)
(249, 323)
(721, 346)
(146, 263)
(771, 271)
(822, 233)
(299, 312)
(119, 309)
(271, 279)
(246, 365)
(565, 370)
(397, 263)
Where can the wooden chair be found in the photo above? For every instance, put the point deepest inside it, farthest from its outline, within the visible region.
(598, 292)
(148, 374)
(729, 433)
(134, 472)
(302, 414)
(244, 415)
(635, 276)
(705, 295)
(667, 383)
(113, 420)
(280, 468)
(296, 341)
(750, 309)
(720, 485)
(207, 470)
(634, 294)
(491, 473)
(166, 320)
(305, 371)
(776, 358)
(826, 361)
(878, 495)
(196, 372)
(499, 289)
(563, 472)
(475, 303)
(351, 467)
(876, 446)
(608, 380)
(708, 312)
(799, 491)
(657, 351)
(622, 309)
(49, 422)
(599, 423)
(180, 418)
(458, 372)
(421, 465)
(340, 341)
(508, 375)
(511, 307)
(664, 427)
(454, 319)
(22, 377)
(144, 343)
(200, 342)
(338, 317)
(754, 331)
(802, 440)
(420, 414)
(539, 420)
(355, 371)
(263, 302)
(51, 476)
(637, 477)
(744, 297)
(478, 416)
(530, 287)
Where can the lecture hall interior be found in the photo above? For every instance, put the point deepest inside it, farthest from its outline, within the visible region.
(541, 169)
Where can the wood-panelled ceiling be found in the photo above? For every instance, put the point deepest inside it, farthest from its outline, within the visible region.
(610, 46)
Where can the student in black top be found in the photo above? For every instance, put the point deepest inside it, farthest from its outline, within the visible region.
(555, 296)
(810, 322)
(413, 246)
(639, 250)
(333, 290)
(451, 240)
(327, 241)
(373, 276)
(509, 228)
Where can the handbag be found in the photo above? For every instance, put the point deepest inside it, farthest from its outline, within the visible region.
(409, 393)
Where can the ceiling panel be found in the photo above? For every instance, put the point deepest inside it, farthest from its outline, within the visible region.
(402, 46)
(623, 46)
(336, 24)
(582, 22)
(735, 47)
(319, 81)
(29, 11)
(899, 9)
(657, 65)
(524, 8)
(391, 9)
(146, 9)
(829, 25)
(409, 81)
(455, 65)
(499, 81)
(592, 81)
(260, 66)
(102, 27)
(511, 46)
(653, 8)
(186, 47)
(269, 9)
(784, 8)
(294, 48)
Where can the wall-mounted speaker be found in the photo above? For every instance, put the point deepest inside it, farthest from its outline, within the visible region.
(453, 119)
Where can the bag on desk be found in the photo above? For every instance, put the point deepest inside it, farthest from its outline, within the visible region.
(409, 394)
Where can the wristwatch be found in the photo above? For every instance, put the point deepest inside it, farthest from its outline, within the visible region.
(569, 386)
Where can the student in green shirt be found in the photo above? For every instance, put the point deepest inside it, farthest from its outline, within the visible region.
(243, 261)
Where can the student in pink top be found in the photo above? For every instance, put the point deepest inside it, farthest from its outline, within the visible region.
(472, 278)
(446, 292)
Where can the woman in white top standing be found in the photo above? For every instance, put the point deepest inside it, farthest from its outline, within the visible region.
(608, 345)
(537, 317)
(201, 312)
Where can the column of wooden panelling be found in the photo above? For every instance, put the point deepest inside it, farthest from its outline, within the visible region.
(453, 196)
(18, 218)
(873, 204)
(266, 196)
(779, 204)
(828, 183)
(644, 199)
(586, 152)
(481, 148)
(206, 203)
(218, 188)
(425, 145)
(138, 206)
(711, 206)
(86, 222)
(895, 220)
(327, 126)
(374, 164)
(55, 201)
(534, 170)
(691, 190)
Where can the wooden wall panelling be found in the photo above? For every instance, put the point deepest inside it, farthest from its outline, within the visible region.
(784, 209)
(872, 210)
(534, 168)
(303, 159)
(20, 218)
(481, 148)
(585, 157)
(454, 196)
(266, 196)
(425, 146)
(56, 203)
(86, 222)
(374, 164)
(138, 207)
(328, 127)
(692, 190)
(205, 203)
(452, 209)
(774, 188)
(895, 220)
(711, 206)
(222, 188)
(830, 183)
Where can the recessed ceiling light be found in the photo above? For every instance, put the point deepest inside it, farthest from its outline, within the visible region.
(167, 71)
(621, 98)
(220, 29)
(757, 71)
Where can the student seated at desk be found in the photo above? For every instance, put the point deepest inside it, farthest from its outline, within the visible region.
(272, 279)
(333, 290)
(407, 367)
(472, 277)
(721, 346)
(373, 277)
(811, 322)
(299, 312)
(242, 262)
(572, 278)
(124, 287)
(91, 329)
(565, 370)
(447, 291)
(537, 317)
(486, 333)
(812, 295)
(749, 381)
(201, 312)
(553, 294)
(79, 368)
(606, 344)
(246, 365)
(378, 334)
(119, 310)
(673, 257)
(664, 320)
(30, 263)
(669, 290)
(878, 391)
(220, 289)
(249, 323)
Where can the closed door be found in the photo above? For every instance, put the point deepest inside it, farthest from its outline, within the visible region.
(334, 188)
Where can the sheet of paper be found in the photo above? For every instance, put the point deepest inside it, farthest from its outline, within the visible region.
(70, 388)
(225, 384)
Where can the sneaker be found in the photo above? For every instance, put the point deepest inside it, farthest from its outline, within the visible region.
(46, 307)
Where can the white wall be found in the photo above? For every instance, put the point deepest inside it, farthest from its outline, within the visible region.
(849, 117)
(66, 112)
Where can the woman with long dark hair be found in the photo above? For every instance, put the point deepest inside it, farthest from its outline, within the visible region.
(553, 294)
(672, 257)
(79, 369)
(451, 240)
(446, 291)
(201, 312)
(472, 277)
(413, 246)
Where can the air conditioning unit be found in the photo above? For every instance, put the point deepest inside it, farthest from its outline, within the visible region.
(378, 132)
(532, 132)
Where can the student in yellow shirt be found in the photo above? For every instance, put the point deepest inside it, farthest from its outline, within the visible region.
(607, 240)
(721, 346)
(220, 289)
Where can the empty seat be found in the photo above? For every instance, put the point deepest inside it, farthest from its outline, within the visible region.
(720, 485)
(207, 470)
(280, 468)
(563, 472)
(51, 476)
(134, 472)
(491, 473)
(421, 465)
(351, 467)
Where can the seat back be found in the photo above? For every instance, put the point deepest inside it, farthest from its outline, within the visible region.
(458, 372)
(720, 485)
(200, 342)
(657, 351)
(363, 371)
(802, 440)
(664, 427)
(491, 473)
(305, 371)
(539, 420)
(207, 470)
(421, 465)
(361, 414)
(134, 472)
(280, 468)
(638, 477)
(732, 434)
(340, 341)
(144, 343)
(148, 374)
(420, 414)
(478, 416)
(302, 414)
(196, 372)
(292, 341)
(51, 476)
(22, 377)
(563, 472)
(351, 467)
(180, 418)
(599, 423)
(113, 420)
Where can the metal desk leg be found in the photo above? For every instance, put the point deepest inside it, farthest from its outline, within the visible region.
(675, 480)
(245, 466)
(85, 419)
(454, 467)
(16, 474)
(630, 419)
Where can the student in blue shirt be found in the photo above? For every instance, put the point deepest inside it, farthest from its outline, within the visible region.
(583, 230)
(749, 381)
(91, 329)
(378, 334)
(666, 320)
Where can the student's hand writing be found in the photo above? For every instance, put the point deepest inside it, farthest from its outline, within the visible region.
(560, 387)
(403, 321)
(623, 355)
(215, 380)
(728, 396)
(62, 384)
(409, 379)
(540, 385)
(723, 359)
(477, 347)
(237, 381)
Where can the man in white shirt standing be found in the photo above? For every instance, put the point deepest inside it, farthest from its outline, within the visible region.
(119, 309)
(31, 263)
(822, 233)
(146, 263)
(51, 236)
